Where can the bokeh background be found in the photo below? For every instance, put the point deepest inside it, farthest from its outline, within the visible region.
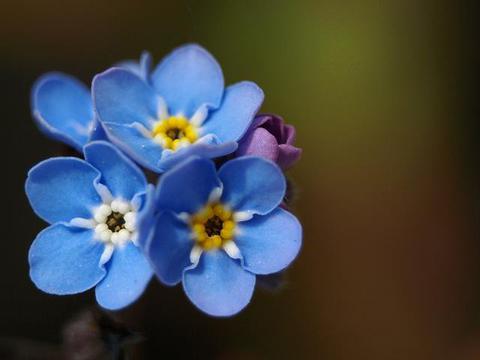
(384, 95)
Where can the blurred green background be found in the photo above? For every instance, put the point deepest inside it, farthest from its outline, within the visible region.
(384, 98)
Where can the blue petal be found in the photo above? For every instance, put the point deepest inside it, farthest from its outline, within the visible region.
(121, 97)
(145, 65)
(218, 285)
(130, 65)
(269, 243)
(148, 153)
(146, 217)
(97, 132)
(252, 184)
(208, 150)
(186, 188)
(239, 106)
(60, 189)
(187, 78)
(65, 260)
(128, 274)
(141, 69)
(169, 249)
(62, 107)
(133, 143)
(119, 174)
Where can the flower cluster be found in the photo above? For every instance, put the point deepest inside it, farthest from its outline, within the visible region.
(212, 222)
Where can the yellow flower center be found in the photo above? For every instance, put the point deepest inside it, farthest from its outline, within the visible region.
(213, 226)
(174, 132)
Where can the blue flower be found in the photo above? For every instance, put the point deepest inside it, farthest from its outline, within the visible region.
(62, 106)
(215, 232)
(184, 110)
(92, 239)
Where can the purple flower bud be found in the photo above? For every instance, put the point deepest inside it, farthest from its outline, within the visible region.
(271, 138)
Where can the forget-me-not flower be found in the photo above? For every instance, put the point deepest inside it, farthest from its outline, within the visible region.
(184, 110)
(62, 106)
(91, 206)
(215, 231)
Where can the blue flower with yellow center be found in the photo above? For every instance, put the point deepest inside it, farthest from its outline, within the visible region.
(92, 241)
(62, 106)
(183, 110)
(215, 231)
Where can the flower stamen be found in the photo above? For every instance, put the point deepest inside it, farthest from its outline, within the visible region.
(213, 226)
(115, 223)
(174, 132)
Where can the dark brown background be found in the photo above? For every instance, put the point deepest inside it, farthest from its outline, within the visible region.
(384, 95)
